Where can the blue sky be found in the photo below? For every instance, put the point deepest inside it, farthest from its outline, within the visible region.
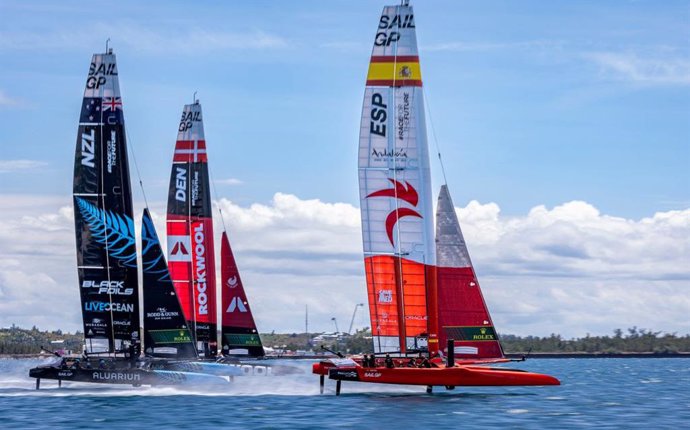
(533, 104)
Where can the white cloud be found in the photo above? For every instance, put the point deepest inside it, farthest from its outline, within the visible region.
(8, 101)
(229, 181)
(569, 269)
(650, 69)
(7, 166)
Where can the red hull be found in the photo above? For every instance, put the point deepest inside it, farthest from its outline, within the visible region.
(460, 375)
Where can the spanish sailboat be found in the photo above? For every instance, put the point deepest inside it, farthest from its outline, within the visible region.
(424, 297)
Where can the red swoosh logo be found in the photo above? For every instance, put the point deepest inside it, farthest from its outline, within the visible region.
(406, 193)
(393, 218)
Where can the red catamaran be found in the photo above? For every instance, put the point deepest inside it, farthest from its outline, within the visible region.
(424, 298)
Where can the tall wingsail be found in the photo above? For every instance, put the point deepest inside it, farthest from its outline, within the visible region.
(239, 333)
(395, 191)
(191, 258)
(106, 245)
(462, 312)
(165, 327)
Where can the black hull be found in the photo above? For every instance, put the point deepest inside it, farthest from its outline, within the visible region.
(118, 372)
(121, 376)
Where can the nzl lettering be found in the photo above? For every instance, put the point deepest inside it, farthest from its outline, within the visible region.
(383, 37)
(188, 118)
(88, 150)
(378, 115)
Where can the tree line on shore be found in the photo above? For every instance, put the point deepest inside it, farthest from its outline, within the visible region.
(16, 341)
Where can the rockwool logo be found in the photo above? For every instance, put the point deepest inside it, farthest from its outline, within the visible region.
(199, 254)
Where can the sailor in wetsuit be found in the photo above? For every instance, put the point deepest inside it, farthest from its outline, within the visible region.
(389, 362)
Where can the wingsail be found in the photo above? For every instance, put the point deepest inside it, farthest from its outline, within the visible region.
(395, 191)
(191, 258)
(106, 245)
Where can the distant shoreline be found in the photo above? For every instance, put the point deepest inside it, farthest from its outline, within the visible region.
(602, 355)
(508, 355)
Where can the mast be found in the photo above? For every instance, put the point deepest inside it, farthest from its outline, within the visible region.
(462, 312)
(165, 328)
(105, 239)
(239, 332)
(191, 256)
(395, 191)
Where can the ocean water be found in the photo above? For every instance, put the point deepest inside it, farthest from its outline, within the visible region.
(596, 393)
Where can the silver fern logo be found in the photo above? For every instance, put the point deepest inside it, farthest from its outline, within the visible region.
(116, 231)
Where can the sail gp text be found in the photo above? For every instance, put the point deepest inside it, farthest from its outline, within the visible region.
(109, 287)
(199, 254)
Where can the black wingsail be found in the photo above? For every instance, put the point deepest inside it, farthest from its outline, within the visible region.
(106, 246)
(165, 329)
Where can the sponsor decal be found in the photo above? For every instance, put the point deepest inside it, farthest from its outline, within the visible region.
(97, 322)
(386, 35)
(406, 193)
(378, 154)
(403, 116)
(179, 248)
(170, 336)
(108, 307)
(122, 323)
(181, 184)
(98, 73)
(241, 339)
(195, 188)
(115, 376)
(416, 317)
(188, 119)
(111, 151)
(88, 148)
(199, 256)
(378, 115)
(162, 314)
(385, 296)
(65, 373)
(477, 334)
(109, 287)
(237, 304)
(372, 374)
(232, 282)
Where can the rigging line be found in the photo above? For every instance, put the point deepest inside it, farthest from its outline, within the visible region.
(215, 193)
(136, 167)
(433, 133)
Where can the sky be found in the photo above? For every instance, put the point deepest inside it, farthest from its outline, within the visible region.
(564, 129)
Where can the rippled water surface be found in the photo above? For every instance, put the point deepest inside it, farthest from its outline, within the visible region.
(601, 393)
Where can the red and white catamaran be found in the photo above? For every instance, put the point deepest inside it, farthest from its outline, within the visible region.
(424, 297)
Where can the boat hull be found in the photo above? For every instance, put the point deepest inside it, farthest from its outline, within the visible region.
(466, 376)
(120, 376)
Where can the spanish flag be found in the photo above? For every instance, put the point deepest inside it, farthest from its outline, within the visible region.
(394, 71)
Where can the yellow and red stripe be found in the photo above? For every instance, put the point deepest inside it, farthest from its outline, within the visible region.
(394, 71)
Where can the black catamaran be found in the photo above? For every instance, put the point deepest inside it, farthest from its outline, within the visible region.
(107, 256)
